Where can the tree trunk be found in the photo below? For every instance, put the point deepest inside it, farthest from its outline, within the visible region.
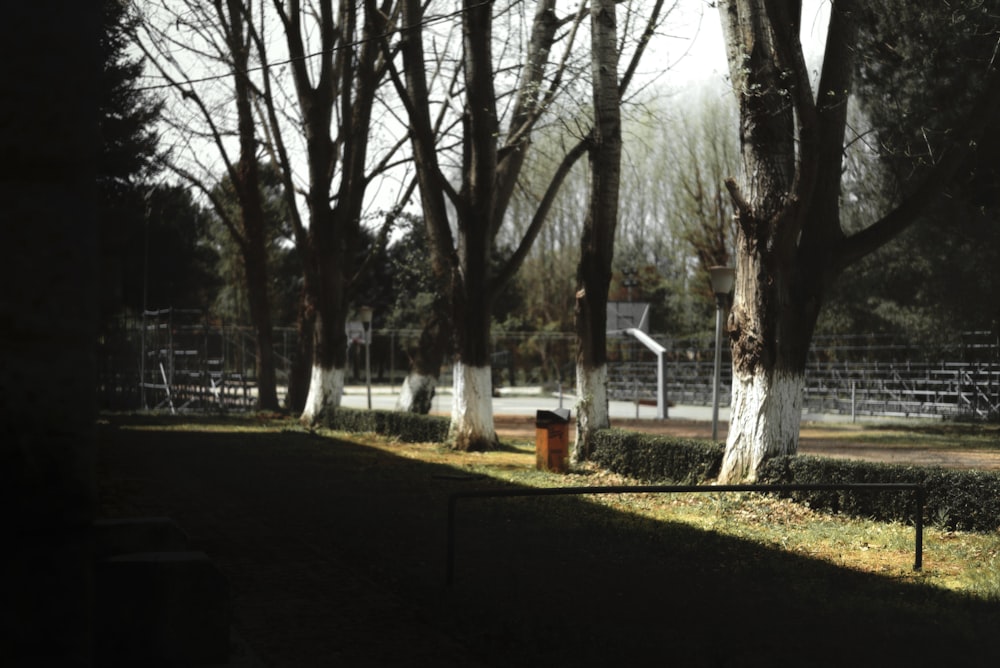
(260, 315)
(349, 83)
(247, 185)
(301, 373)
(766, 367)
(417, 394)
(472, 398)
(591, 407)
(326, 385)
(766, 415)
(472, 427)
(597, 247)
(420, 385)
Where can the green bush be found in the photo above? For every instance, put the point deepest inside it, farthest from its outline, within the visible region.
(961, 500)
(407, 427)
(657, 458)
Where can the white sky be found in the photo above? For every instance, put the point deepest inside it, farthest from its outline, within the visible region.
(694, 48)
(689, 47)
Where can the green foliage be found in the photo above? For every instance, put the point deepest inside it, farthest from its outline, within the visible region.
(284, 264)
(407, 427)
(922, 71)
(961, 500)
(920, 75)
(657, 458)
(153, 253)
(128, 158)
(415, 295)
(127, 114)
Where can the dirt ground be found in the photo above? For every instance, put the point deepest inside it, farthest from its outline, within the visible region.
(815, 439)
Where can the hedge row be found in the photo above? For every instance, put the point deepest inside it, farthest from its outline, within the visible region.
(657, 458)
(407, 427)
(961, 500)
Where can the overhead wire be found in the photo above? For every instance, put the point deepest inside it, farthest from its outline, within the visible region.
(350, 45)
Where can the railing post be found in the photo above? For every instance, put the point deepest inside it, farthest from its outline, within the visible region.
(449, 568)
(918, 560)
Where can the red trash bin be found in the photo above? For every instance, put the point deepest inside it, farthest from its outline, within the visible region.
(552, 440)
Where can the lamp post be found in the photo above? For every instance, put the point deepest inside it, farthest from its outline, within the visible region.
(365, 314)
(629, 280)
(723, 279)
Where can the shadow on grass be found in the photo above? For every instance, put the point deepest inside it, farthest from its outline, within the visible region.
(335, 553)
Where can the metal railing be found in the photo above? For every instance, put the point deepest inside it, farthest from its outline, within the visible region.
(454, 498)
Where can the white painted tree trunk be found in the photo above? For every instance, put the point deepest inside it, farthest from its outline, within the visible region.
(417, 394)
(765, 418)
(472, 409)
(591, 408)
(326, 389)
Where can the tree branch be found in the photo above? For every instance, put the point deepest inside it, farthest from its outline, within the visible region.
(513, 264)
(931, 186)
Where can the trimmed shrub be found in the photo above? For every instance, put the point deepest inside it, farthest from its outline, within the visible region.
(657, 458)
(407, 427)
(960, 500)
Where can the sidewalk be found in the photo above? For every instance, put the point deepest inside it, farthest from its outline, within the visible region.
(527, 400)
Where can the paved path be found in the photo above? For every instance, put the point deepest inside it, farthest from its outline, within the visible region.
(514, 418)
(528, 400)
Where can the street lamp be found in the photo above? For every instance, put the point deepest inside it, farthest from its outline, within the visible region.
(723, 279)
(365, 314)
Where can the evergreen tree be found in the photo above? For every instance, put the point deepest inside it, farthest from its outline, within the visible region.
(128, 156)
(925, 64)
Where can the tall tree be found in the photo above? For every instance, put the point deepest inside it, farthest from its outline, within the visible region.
(491, 156)
(128, 157)
(490, 161)
(224, 32)
(335, 87)
(597, 242)
(603, 146)
(791, 244)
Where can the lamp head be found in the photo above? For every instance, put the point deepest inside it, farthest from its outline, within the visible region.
(723, 279)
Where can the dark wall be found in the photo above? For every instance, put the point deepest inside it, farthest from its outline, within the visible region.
(48, 135)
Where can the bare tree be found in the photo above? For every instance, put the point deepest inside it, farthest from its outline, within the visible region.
(223, 36)
(490, 162)
(604, 149)
(306, 100)
(335, 88)
(597, 244)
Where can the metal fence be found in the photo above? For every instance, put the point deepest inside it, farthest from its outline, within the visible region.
(846, 375)
(175, 359)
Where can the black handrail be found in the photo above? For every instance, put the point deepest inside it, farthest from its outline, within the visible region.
(675, 489)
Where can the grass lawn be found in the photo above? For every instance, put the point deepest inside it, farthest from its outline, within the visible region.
(296, 519)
